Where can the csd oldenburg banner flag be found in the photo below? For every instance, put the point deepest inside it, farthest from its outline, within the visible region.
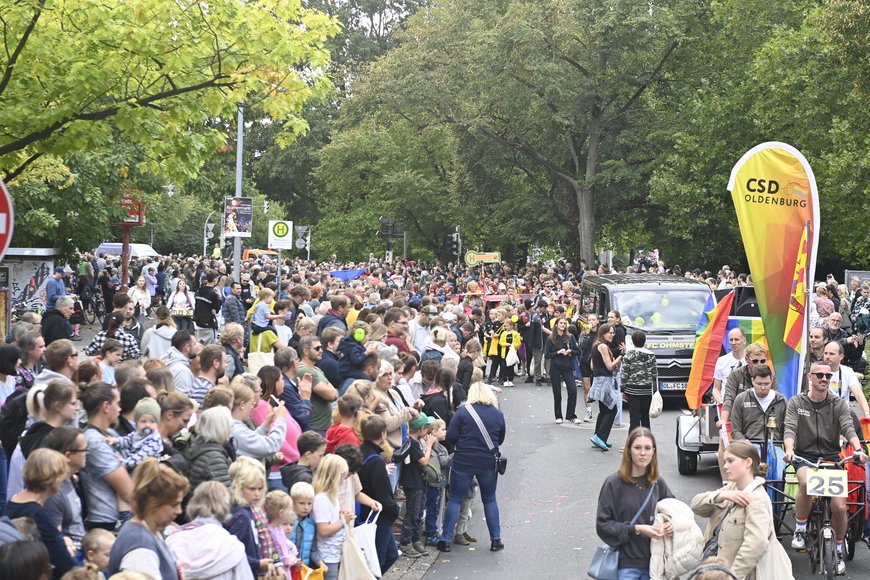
(774, 193)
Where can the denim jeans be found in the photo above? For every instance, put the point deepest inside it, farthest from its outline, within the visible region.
(385, 544)
(415, 499)
(433, 509)
(4, 472)
(332, 573)
(460, 481)
(633, 574)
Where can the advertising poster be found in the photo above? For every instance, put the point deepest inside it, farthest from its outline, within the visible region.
(238, 217)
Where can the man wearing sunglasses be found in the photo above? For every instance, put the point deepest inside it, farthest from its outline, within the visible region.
(814, 422)
(740, 379)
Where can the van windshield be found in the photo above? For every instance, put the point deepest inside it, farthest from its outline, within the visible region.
(660, 308)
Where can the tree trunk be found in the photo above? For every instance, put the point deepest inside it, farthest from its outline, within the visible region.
(585, 204)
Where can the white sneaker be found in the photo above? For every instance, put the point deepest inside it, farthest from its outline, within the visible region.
(558, 421)
(576, 420)
(588, 417)
(799, 540)
(841, 564)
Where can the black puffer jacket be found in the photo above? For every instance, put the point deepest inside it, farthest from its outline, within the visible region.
(208, 461)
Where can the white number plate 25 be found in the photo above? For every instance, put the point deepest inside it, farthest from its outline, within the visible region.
(828, 483)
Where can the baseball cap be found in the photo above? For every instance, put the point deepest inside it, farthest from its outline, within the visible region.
(430, 310)
(58, 270)
(422, 420)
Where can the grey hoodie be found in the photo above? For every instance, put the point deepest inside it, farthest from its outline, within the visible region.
(180, 367)
(156, 342)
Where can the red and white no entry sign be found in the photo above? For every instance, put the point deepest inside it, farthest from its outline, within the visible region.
(7, 219)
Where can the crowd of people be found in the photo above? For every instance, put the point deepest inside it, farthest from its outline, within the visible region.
(267, 415)
(267, 410)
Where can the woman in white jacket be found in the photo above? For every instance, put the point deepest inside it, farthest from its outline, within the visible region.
(157, 339)
(266, 439)
(203, 548)
(141, 298)
(747, 539)
(182, 300)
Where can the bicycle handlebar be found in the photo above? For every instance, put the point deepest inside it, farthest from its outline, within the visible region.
(855, 457)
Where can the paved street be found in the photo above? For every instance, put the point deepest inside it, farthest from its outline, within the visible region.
(548, 497)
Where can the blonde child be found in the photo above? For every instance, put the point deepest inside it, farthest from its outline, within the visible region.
(110, 355)
(96, 548)
(328, 515)
(263, 312)
(304, 531)
(279, 510)
(508, 338)
(247, 520)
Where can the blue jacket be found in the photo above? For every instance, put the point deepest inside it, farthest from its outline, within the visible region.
(303, 537)
(242, 526)
(330, 319)
(233, 310)
(470, 450)
(329, 364)
(299, 409)
(352, 354)
(54, 289)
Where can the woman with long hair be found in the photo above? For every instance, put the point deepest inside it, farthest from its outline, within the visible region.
(560, 349)
(141, 298)
(115, 330)
(617, 348)
(742, 511)
(624, 514)
(57, 405)
(157, 495)
(604, 388)
(32, 346)
(107, 485)
(181, 303)
(272, 387)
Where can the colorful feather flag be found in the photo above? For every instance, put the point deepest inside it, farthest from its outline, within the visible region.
(776, 200)
(794, 325)
(708, 347)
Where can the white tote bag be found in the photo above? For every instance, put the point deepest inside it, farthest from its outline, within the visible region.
(512, 357)
(365, 538)
(655, 407)
(258, 360)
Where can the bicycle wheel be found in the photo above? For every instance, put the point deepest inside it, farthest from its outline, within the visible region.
(813, 545)
(90, 313)
(829, 556)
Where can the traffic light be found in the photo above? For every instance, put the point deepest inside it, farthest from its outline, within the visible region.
(453, 244)
(266, 206)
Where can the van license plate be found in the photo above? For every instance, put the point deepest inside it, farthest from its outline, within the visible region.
(673, 386)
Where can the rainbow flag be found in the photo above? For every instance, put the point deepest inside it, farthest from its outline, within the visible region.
(775, 197)
(708, 346)
(794, 325)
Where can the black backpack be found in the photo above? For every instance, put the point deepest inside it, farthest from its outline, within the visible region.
(13, 420)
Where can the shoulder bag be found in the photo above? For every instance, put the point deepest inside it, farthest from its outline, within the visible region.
(257, 359)
(500, 462)
(605, 560)
(711, 548)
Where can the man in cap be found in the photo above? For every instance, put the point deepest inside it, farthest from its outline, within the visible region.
(54, 289)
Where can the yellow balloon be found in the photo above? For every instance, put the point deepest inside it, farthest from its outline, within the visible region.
(638, 321)
(665, 302)
(655, 318)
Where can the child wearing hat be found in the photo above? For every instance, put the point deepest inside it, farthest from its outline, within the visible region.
(414, 484)
(145, 441)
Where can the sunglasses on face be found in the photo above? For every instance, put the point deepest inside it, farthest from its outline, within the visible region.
(823, 375)
(756, 361)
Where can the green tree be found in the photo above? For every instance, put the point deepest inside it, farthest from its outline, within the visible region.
(556, 87)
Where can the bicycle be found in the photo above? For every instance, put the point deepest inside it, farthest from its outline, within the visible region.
(821, 541)
(95, 310)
